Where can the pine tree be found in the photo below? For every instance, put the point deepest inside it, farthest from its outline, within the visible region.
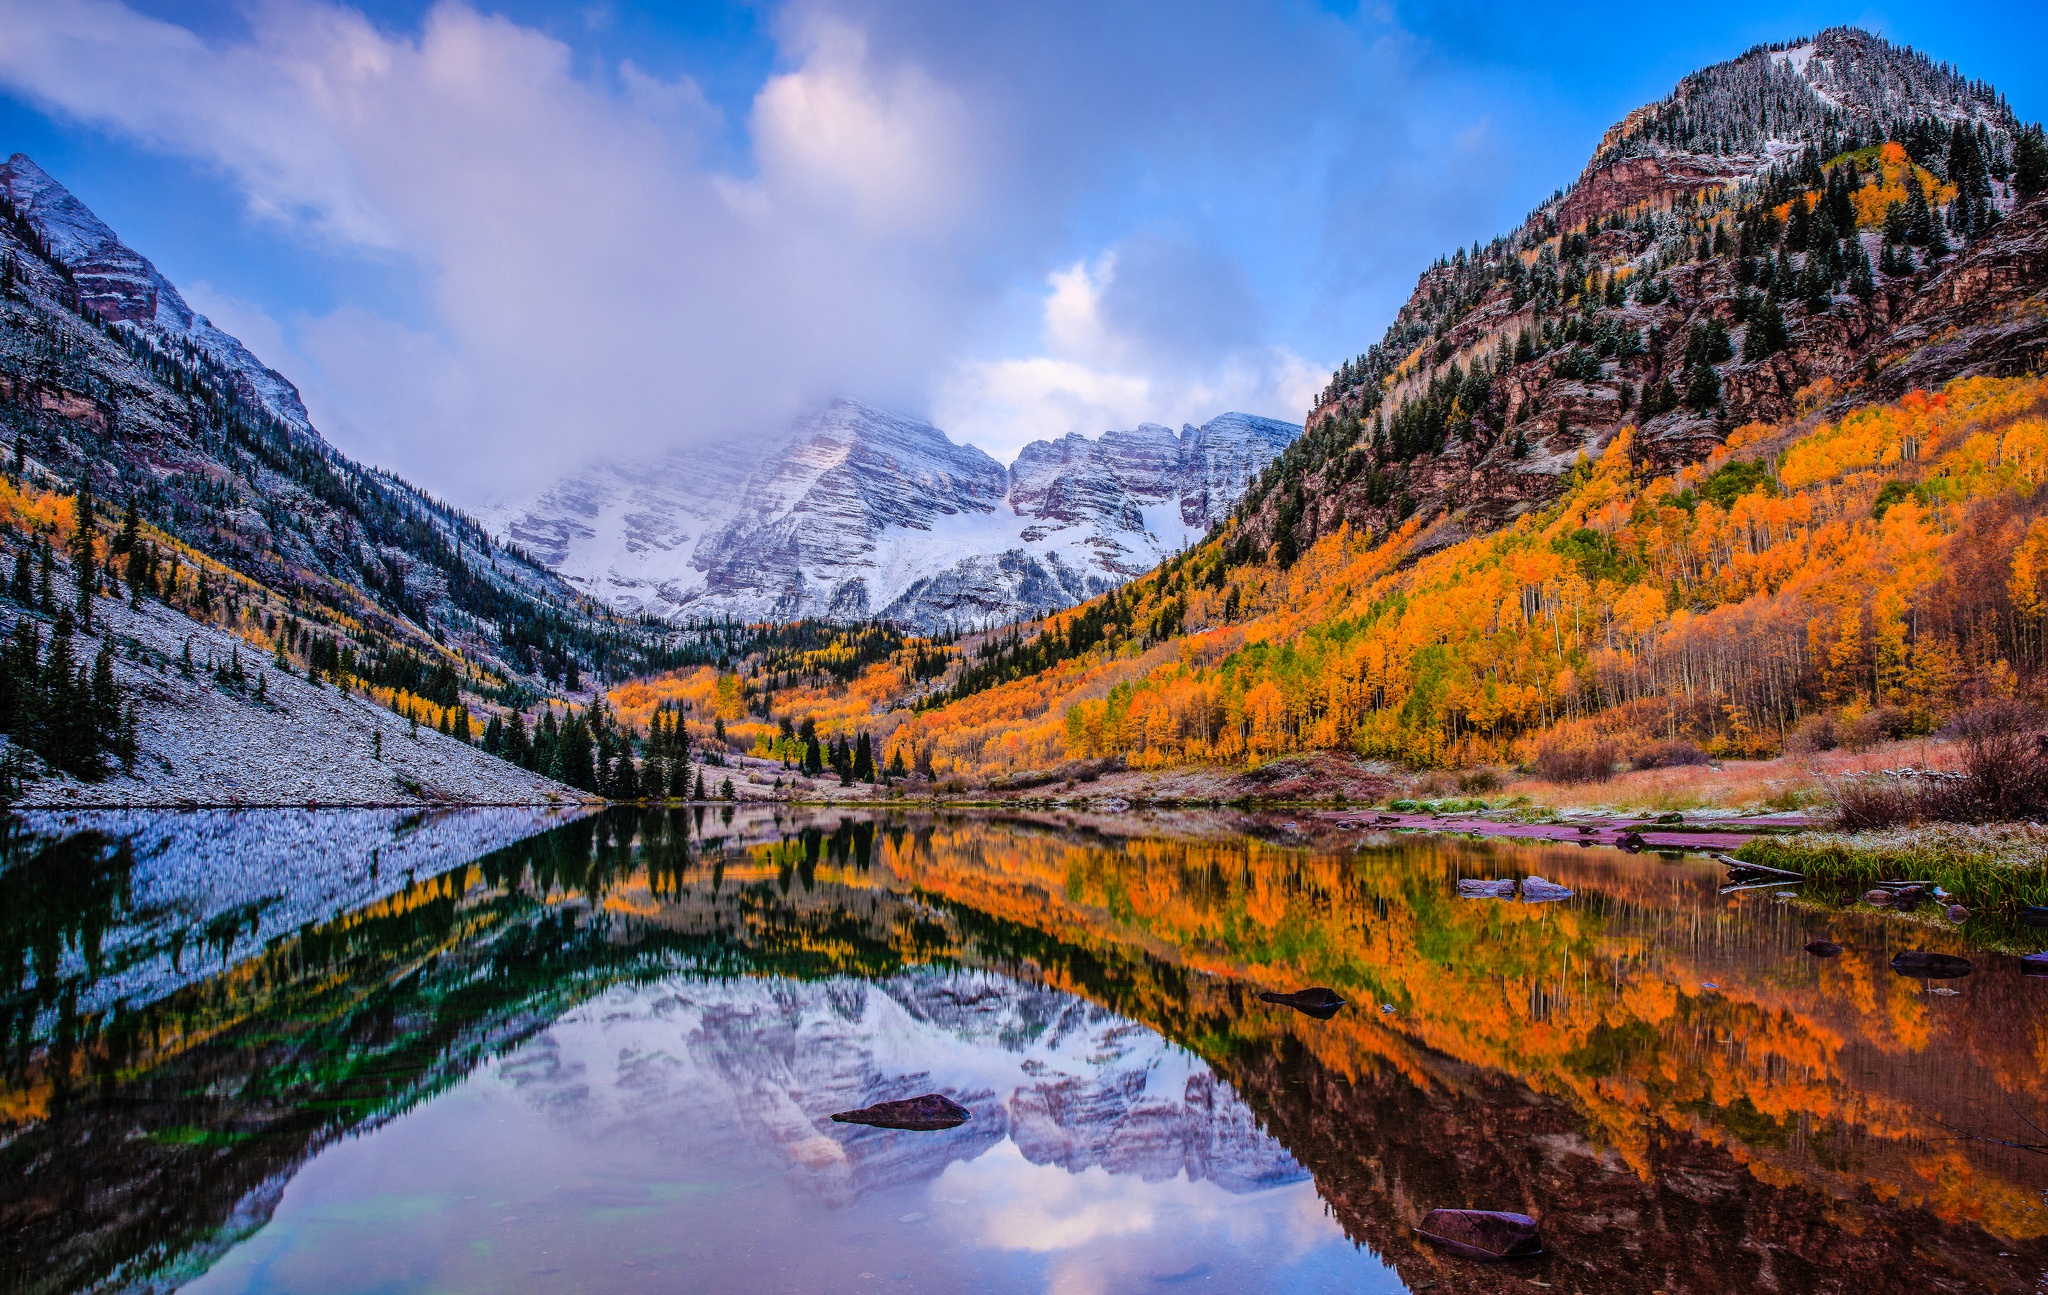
(1766, 335)
(84, 554)
(699, 793)
(1702, 388)
(131, 529)
(2030, 165)
(46, 567)
(20, 589)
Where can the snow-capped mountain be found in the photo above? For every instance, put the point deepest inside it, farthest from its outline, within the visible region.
(766, 1062)
(857, 512)
(116, 282)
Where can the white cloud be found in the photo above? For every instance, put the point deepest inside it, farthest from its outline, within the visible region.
(600, 269)
(837, 129)
(1094, 375)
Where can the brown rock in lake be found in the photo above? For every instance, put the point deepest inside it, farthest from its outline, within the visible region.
(922, 1114)
(1483, 1234)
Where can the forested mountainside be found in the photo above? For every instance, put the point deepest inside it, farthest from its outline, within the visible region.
(858, 513)
(1745, 427)
(150, 457)
(1787, 230)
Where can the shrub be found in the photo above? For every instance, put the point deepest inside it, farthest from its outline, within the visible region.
(1571, 762)
(1883, 724)
(2004, 777)
(1813, 734)
(1479, 780)
(1669, 753)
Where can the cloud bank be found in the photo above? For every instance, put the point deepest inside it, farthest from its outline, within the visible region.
(1021, 223)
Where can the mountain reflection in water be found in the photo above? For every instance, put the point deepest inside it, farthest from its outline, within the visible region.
(606, 1055)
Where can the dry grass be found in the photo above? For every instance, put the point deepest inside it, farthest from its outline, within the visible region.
(1788, 783)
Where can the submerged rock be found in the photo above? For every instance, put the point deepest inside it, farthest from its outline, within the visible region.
(2034, 964)
(1922, 965)
(1486, 888)
(1878, 898)
(1320, 1002)
(1535, 890)
(1957, 913)
(931, 1111)
(2033, 915)
(1631, 842)
(1823, 948)
(1483, 1234)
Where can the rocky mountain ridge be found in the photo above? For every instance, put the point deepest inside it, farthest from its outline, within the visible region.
(857, 513)
(107, 375)
(116, 283)
(1811, 224)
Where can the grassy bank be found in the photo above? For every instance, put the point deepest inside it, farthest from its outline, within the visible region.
(1998, 868)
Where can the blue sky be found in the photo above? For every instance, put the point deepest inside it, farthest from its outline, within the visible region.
(492, 240)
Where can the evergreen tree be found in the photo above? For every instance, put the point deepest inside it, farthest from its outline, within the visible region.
(46, 567)
(699, 793)
(1766, 335)
(1861, 282)
(20, 589)
(84, 553)
(131, 529)
(576, 750)
(494, 736)
(1702, 388)
(863, 760)
(2030, 164)
(896, 769)
(625, 779)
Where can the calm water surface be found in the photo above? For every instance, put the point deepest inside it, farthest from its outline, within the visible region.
(499, 1051)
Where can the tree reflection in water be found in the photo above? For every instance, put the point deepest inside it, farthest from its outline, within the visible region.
(1809, 1125)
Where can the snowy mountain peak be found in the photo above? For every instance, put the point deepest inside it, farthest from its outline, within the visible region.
(118, 283)
(860, 512)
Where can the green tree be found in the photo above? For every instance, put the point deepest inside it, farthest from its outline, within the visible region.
(2030, 163)
(84, 553)
(1702, 388)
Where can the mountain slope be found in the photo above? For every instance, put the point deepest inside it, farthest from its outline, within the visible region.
(1678, 258)
(858, 513)
(1731, 459)
(247, 522)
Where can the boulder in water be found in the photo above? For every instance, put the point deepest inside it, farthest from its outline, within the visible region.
(1631, 842)
(1957, 913)
(1483, 1234)
(1319, 1001)
(2034, 915)
(2034, 964)
(1535, 890)
(922, 1114)
(1922, 965)
(1486, 888)
(1878, 898)
(1823, 948)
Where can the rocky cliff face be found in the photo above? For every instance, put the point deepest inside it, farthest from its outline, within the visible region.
(857, 512)
(107, 375)
(116, 282)
(1675, 289)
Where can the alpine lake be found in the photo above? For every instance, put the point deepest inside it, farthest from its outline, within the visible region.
(504, 1050)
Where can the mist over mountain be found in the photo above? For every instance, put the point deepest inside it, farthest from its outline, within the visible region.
(858, 513)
